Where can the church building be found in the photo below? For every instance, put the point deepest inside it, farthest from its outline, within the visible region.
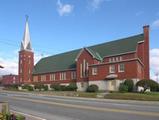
(106, 65)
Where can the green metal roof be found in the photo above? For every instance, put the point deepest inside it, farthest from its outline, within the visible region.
(65, 61)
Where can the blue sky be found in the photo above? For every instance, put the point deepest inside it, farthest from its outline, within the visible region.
(61, 25)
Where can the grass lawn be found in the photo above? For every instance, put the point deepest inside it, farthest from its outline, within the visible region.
(149, 96)
(69, 93)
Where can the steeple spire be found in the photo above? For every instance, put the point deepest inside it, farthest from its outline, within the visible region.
(25, 44)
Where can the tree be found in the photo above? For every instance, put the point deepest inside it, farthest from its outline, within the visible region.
(147, 84)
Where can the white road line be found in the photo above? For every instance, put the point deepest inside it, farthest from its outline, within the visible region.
(25, 114)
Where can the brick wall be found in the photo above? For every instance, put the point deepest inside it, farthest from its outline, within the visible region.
(26, 64)
(10, 79)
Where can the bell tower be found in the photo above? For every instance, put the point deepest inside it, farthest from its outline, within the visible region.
(26, 57)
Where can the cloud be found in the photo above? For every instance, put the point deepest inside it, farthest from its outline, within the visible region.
(154, 64)
(139, 13)
(95, 4)
(11, 64)
(155, 24)
(64, 9)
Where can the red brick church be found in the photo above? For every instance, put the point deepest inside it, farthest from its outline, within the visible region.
(106, 65)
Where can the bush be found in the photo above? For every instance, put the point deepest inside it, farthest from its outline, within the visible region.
(14, 117)
(148, 84)
(12, 87)
(55, 87)
(123, 88)
(71, 87)
(63, 88)
(92, 88)
(39, 86)
(28, 87)
(20, 117)
(45, 87)
(158, 88)
(58, 87)
(129, 84)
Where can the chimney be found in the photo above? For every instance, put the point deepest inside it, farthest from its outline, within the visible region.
(146, 52)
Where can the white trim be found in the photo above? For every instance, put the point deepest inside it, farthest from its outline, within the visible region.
(119, 67)
(141, 42)
(81, 70)
(79, 54)
(82, 51)
(73, 75)
(42, 78)
(112, 69)
(53, 77)
(35, 78)
(90, 52)
(84, 67)
(94, 70)
(63, 76)
(107, 63)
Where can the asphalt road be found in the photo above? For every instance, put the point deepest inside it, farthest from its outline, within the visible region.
(67, 108)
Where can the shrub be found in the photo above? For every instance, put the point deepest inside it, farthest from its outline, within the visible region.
(92, 88)
(39, 86)
(24, 86)
(71, 87)
(58, 87)
(123, 88)
(55, 87)
(14, 117)
(12, 87)
(148, 84)
(45, 87)
(20, 117)
(158, 88)
(28, 87)
(129, 84)
(63, 88)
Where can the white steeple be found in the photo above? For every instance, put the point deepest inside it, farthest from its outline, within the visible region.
(25, 44)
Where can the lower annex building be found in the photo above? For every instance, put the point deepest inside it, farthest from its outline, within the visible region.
(106, 65)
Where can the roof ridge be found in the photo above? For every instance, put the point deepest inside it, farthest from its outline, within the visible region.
(63, 53)
(93, 45)
(121, 39)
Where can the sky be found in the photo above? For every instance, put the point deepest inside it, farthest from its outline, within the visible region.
(58, 26)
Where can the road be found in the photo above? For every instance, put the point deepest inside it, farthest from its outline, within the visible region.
(68, 108)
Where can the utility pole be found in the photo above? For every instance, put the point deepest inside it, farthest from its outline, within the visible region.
(157, 74)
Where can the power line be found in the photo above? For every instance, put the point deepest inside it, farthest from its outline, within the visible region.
(8, 43)
(11, 43)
